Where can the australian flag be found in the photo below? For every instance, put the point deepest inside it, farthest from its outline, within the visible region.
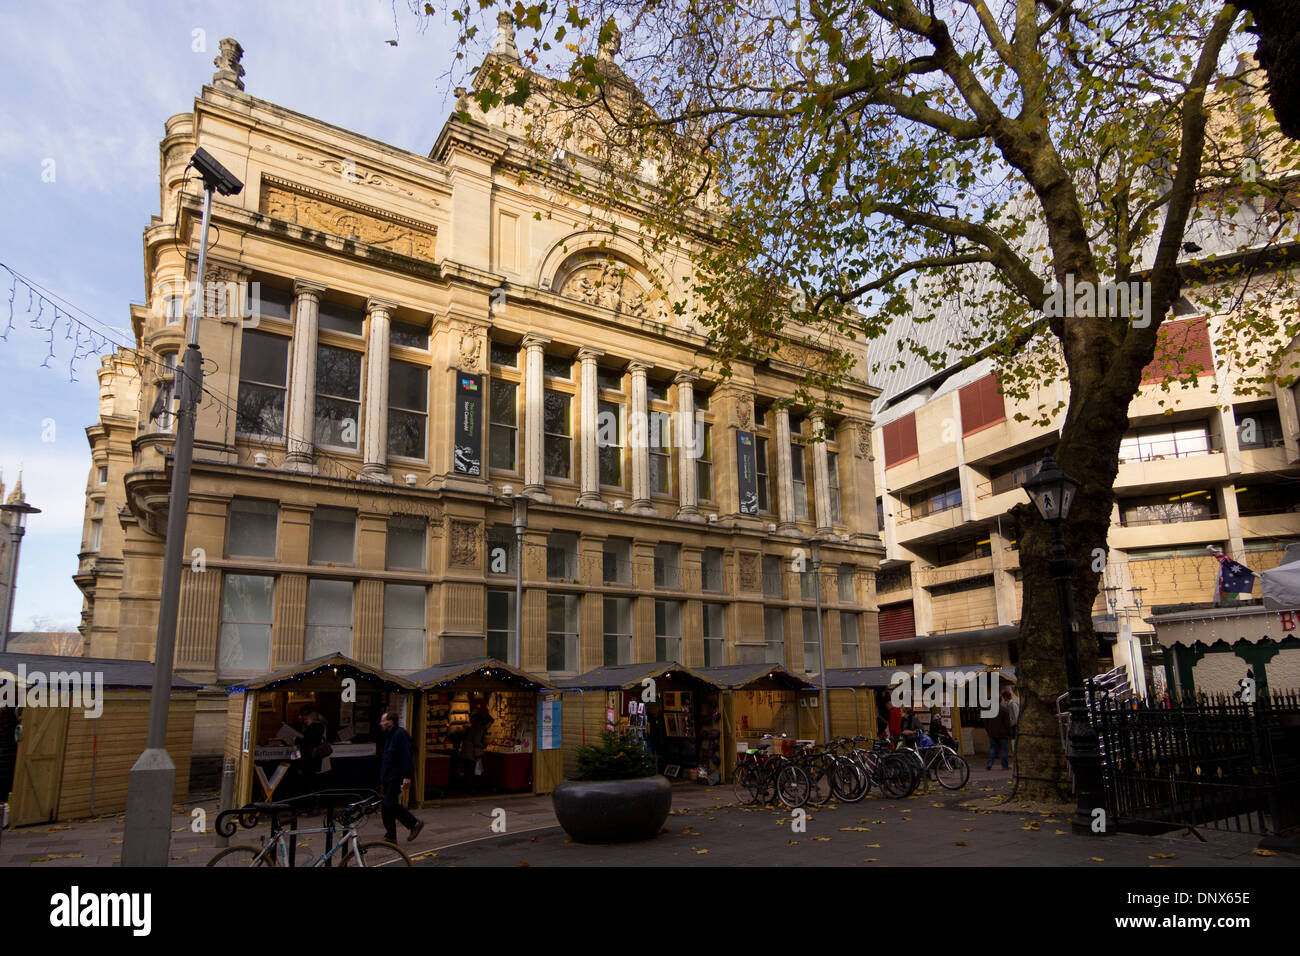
(1234, 578)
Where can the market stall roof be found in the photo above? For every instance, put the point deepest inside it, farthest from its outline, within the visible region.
(318, 664)
(740, 676)
(873, 678)
(440, 674)
(117, 673)
(628, 676)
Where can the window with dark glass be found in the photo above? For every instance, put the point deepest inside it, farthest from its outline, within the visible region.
(410, 336)
(557, 422)
(760, 459)
(505, 355)
(337, 317)
(504, 417)
(408, 408)
(609, 440)
(263, 378)
(338, 397)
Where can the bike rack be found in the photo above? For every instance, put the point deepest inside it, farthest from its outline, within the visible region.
(249, 816)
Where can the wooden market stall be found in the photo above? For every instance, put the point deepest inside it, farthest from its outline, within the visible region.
(673, 708)
(84, 722)
(263, 722)
(522, 748)
(857, 699)
(760, 699)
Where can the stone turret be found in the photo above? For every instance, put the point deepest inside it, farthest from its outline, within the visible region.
(504, 45)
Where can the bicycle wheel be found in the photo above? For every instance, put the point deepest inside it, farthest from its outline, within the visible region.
(898, 776)
(765, 784)
(952, 770)
(820, 789)
(792, 786)
(378, 854)
(849, 782)
(744, 785)
(242, 854)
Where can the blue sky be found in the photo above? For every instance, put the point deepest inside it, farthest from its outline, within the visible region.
(89, 87)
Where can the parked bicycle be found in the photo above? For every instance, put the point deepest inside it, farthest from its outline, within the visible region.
(278, 849)
(761, 777)
(937, 761)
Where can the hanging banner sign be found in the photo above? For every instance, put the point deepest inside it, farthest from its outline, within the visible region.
(469, 430)
(550, 725)
(747, 473)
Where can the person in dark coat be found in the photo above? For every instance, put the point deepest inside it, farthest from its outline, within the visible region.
(999, 731)
(396, 768)
(308, 766)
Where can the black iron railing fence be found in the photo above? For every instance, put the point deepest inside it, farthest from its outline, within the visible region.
(1211, 761)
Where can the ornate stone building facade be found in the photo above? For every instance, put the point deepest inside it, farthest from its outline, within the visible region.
(395, 347)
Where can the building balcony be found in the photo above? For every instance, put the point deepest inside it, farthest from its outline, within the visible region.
(1272, 524)
(917, 527)
(928, 577)
(1160, 464)
(1155, 532)
(993, 498)
(1264, 460)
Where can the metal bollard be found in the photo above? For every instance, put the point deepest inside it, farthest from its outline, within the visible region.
(227, 793)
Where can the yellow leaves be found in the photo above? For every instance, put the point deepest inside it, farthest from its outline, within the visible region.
(1031, 825)
(873, 846)
(855, 829)
(1163, 856)
(962, 843)
(967, 829)
(793, 843)
(1259, 852)
(523, 863)
(822, 839)
(1097, 859)
(693, 850)
(871, 859)
(56, 829)
(61, 856)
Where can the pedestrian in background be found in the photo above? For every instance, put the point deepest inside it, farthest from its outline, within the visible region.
(999, 731)
(396, 768)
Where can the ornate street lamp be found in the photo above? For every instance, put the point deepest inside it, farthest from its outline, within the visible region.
(1052, 492)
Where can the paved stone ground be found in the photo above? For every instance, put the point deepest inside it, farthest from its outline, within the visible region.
(927, 829)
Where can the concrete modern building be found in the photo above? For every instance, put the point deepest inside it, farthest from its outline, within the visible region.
(1206, 465)
(397, 347)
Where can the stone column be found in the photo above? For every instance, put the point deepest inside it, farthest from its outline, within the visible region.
(589, 431)
(784, 475)
(375, 438)
(857, 479)
(534, 436)
(821, 481)
(639, 438)
(687, 492)
(300, 416)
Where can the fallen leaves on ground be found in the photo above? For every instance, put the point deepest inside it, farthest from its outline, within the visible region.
(693, 850)
(967, 829)
(873, 846)
(523, 863)
(792, 843)
(1031, 825)
(1259, 852)
(64, 856)
(822, 839)
(962, 843)
(855, 829)
(1097, 859)
(871, 859)
(1061, 832)
(1163, 856)
(56, 829)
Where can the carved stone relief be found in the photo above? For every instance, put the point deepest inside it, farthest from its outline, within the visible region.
(864, 440)
(342, 219)
(469, 341)
(748, 571)
(465, 544)
(608, 283)
(745, 411)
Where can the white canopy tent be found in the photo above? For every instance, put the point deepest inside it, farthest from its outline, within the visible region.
(1281, 585)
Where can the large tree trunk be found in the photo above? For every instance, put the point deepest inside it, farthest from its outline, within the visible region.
(1088, 452)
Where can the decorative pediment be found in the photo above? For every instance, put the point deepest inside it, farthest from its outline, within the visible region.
(597, 278)
(316, 209)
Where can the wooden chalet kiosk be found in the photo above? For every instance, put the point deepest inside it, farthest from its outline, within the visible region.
(522, 753)
(263, 719)
(67, 763)
(759, 699)
(681, 720)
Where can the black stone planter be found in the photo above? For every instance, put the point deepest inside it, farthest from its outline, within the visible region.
(613, 811)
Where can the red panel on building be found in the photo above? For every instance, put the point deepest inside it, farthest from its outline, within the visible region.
(1180, 344)
(981, 405)
(897, 622)
(900, 440)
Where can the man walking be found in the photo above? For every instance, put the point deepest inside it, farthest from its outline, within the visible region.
(396, 769)
(999, 731)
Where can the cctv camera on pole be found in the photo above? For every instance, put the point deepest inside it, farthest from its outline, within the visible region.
(147, 838)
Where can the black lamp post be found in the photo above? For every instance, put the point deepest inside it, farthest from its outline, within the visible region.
(1052, 492)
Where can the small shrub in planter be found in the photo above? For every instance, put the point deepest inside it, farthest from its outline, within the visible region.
(618, 796)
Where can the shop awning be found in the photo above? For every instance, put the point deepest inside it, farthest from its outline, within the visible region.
(872, 678)
(116, 672)
(742, 676)
(442, 674)
(933, 642)
(319, 665)
(629, 676)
